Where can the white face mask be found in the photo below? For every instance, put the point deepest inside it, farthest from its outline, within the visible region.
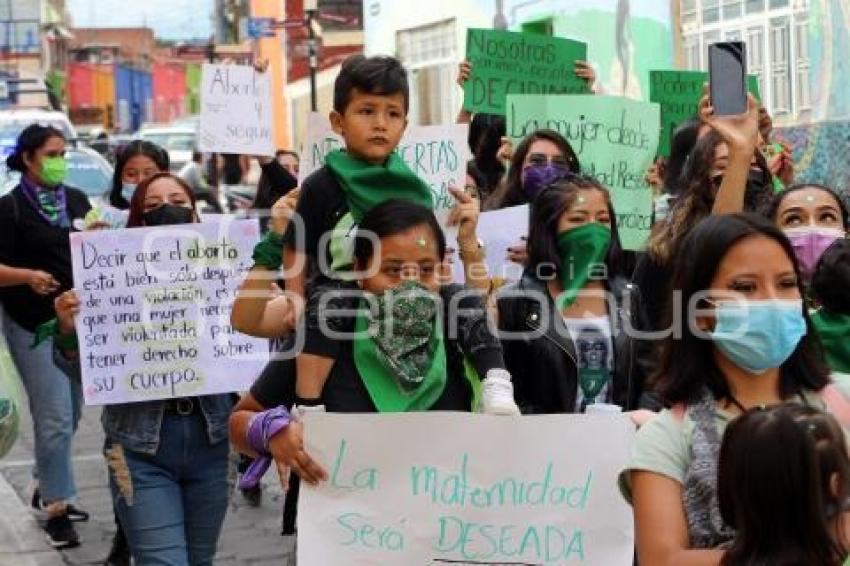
(127, 190)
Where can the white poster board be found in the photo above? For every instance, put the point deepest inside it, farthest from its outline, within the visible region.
(155, 311)
(453, 488)
(498, 230)
(437, 154)
(236, 110)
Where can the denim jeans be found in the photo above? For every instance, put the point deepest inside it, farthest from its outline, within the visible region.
(55, 402)
(172, 503)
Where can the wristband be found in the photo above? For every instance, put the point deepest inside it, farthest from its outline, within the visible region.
(262, 428)
(268, 252)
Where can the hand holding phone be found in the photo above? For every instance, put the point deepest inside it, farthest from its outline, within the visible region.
(727, 68)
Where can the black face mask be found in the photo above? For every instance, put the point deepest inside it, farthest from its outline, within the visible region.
(169, 214)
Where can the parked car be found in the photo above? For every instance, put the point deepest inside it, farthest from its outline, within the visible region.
(13, 122)
(87, 171)
(179, 142)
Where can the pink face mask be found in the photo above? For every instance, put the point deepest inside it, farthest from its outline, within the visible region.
(809, 243)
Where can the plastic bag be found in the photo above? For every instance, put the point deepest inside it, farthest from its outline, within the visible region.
(11, 399)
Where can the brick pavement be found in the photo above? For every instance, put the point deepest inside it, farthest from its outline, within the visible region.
(251, 536)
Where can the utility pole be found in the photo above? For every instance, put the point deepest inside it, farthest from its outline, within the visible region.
(311, 11)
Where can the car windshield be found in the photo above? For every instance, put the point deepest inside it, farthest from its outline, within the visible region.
(87, 174)
(11, 129)
(173, 141)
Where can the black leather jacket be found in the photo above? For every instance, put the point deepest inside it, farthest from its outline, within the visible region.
(542, 357)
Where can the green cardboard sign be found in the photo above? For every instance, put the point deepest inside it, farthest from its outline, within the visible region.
(505, 62)
(615, 139)
(679, 93)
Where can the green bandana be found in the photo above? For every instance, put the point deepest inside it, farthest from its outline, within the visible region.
(834, 332)
(53, 170)
(581, 249)
(367, 186)
(400, 353)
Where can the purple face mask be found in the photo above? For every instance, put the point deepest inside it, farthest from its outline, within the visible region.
(809, 244)
(535, 178)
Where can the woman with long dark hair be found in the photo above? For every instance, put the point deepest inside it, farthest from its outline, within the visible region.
(137, 161)
(541, 157)
(168, 459)
(745, 340)
(565, 316)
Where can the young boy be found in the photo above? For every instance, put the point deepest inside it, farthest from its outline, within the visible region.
(371, 99)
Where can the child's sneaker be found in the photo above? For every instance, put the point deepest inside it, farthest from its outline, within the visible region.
(497, 394)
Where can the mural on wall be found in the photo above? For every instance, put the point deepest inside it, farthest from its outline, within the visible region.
(822, 148)
(821, 154)
(626, 38)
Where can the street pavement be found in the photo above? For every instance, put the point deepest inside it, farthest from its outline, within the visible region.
(251, 535)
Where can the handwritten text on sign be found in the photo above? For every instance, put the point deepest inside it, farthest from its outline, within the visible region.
(428, 488)
(236, 114)
(615, 140)
(678, 93)
(506, 62)
(437, 154)
(155, 311)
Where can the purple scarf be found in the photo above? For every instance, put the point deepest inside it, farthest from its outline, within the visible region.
(51, 204)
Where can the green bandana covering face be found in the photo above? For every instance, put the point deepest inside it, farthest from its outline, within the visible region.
(399, 352)
(834, 333)
(53, 170)
(581, 249)
(367, 186)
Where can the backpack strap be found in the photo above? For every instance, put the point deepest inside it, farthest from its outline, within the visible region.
(836, 404)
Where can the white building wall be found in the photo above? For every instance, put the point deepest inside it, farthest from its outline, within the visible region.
(435, 97)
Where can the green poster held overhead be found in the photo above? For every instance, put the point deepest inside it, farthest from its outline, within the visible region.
(506, 62)
(679, 93)
(615, 140)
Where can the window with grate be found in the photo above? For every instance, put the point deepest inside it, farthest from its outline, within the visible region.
(803, 65)
(430, 54)
(780, 65)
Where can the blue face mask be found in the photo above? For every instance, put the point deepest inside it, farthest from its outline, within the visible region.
(127, 190)
(759, 335)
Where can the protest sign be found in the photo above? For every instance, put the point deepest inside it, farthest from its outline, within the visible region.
(506, 62)
(497, 230)
(437, 154)
(540, 491)
(615, 140)
(236, 110)
(155, 311)
(678, 93)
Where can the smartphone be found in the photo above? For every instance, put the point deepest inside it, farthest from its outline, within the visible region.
(727, 70)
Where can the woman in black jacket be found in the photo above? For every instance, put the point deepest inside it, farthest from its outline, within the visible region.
(566, 325)
(35, 266)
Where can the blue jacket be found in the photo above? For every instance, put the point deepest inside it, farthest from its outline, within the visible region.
(138, 426)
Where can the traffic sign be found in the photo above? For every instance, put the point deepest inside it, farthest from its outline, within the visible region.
(260, 27)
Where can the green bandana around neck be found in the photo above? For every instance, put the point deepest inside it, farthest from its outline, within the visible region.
(367, 186)
(834, 330)
(399, 351)
(580, 249)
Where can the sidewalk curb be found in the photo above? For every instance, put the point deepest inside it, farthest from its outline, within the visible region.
(22, 541)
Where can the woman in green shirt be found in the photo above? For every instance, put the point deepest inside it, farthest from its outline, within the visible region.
(745, 342)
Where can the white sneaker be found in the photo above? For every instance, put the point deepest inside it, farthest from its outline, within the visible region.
(497, 394)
